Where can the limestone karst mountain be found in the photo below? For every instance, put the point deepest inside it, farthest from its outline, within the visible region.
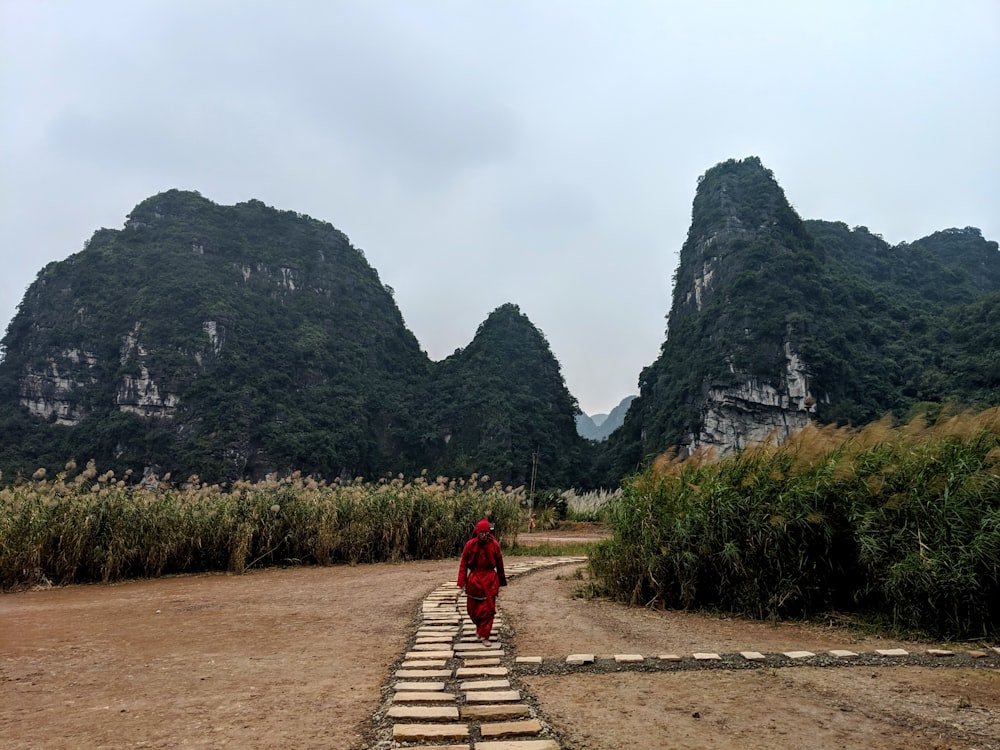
(777, 321)
(241, 341)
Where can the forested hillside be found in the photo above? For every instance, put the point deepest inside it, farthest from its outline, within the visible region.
(243, 341)
(776, 320)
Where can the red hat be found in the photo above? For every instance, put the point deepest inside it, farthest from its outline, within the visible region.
(482, 526)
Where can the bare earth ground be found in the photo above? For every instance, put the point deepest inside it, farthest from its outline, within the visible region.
(296, 658)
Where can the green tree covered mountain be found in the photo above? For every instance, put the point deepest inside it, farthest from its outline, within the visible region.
(776, 321)
(239, 341)
(502, 407)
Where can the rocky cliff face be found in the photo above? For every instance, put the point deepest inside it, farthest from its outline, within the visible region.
(49, 389)
(752, 411)
(731, 371)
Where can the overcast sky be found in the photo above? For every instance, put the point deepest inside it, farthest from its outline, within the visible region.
(539, 152)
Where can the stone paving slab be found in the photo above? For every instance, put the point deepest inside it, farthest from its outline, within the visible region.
(668, 657)
(798, 654)
(422, 696)
(705, 656)
(422, 664)
(517, 745)
(425, 686)
(466, 646)
(629, 658)
(431, 648)
(497, 712)
(939, 652)
(414, 732)
(480, 672)
(528, 660)
(423, 712)
(494, 662)
(842, 653)
(415, 673)
(580, 659)
(484, 685)
(492, 696)
(892, 652)
(510, 728)
(417, 655)
(752, 655)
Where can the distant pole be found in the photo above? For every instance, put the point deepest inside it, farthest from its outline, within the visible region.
(531, 489)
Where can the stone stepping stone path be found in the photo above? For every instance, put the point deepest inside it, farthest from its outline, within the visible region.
(451, 692)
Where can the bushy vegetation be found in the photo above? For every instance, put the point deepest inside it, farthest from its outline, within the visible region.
(898, 524)
(82, 527)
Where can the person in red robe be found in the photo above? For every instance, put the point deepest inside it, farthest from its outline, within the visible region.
(480, 576)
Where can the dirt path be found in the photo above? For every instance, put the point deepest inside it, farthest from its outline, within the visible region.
(298, 658)
(869, 702)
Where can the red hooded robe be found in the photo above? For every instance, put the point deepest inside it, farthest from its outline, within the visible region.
(481, 574)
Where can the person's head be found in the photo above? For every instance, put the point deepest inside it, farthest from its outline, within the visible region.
(483, 530)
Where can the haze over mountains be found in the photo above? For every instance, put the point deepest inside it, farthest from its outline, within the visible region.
(600, 426)
(239, 341)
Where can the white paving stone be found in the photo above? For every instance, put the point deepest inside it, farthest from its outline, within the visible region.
(420, 655)
(413, 674)
(799, 654)
(752, 655)
(580, 659)
(892, 652)
(420, 696)
(842, 654)
(492, 696)
(484, 685)
(480, 672)
(628, 658)
(422, 686)
(705, 656)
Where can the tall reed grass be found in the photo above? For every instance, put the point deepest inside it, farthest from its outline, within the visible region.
(900, 524)
(588, 506)
(83, 527)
